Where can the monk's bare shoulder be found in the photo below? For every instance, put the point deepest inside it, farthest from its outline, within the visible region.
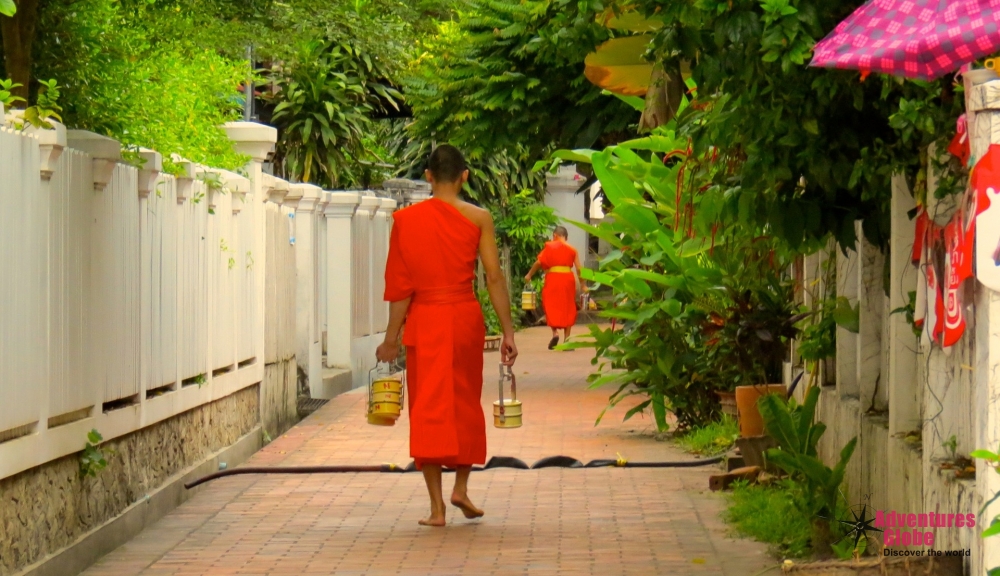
(479, 216)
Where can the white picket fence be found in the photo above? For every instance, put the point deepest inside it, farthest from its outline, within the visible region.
(127, 296)
(342, 240)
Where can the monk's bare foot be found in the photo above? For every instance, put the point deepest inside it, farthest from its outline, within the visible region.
(466, 506)
(433, 520)
(437, 517)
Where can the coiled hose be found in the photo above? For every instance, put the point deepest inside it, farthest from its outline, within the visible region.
(494, 463)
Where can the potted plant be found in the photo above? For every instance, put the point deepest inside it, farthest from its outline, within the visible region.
(750, 339)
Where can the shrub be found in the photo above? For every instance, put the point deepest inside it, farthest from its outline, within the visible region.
(770, 514)
(135, 73)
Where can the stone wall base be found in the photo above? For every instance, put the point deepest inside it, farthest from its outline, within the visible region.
(48, 508)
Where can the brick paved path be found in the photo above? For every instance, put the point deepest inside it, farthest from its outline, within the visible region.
(551, 521)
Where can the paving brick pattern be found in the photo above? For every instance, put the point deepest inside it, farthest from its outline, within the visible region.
(550, 521)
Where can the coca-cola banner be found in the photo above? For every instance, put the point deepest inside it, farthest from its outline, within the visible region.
(986, 208)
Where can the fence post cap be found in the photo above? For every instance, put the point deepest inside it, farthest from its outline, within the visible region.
(254, 139)
(369, 202)
(303, 197)
(97, 146)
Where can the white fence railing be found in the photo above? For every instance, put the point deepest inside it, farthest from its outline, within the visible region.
(127, 296)
(342, 240)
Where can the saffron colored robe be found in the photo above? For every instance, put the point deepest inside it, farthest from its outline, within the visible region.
(559, 292)
(433, 249)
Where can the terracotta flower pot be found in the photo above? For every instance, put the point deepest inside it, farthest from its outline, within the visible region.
(751, 424)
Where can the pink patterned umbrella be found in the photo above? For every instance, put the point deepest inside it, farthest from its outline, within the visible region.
(913, 38)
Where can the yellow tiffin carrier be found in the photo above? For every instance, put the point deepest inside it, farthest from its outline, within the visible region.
(385, 396)
(529, 300)
(507, 412)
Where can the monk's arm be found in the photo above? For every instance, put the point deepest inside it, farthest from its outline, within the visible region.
(579, 273)
(397, 315)
(495, 282)
(534, 268)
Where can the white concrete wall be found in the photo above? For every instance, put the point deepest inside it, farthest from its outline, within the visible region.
(561, 196)
(889, 384)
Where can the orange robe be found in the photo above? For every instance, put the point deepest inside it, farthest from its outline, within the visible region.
(559, 292)
(432, 257)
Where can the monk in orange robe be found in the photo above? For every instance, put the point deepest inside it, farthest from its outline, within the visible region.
(429, 276)
(559, 293)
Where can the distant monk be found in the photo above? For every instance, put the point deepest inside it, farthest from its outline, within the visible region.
(559, 294)
(428, 280)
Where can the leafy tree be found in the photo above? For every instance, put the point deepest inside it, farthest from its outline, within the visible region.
(324, 99)
(815, 148)
(509, 76)
(134, 71)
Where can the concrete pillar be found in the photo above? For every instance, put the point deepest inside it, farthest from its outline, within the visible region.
(339, 297)
(304, 198)
(904, 388)
(848, 280)
(381, 230)
(256, 141)
(569, 206)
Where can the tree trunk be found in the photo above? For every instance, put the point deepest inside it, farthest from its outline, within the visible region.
(666, 88)
(18, 36)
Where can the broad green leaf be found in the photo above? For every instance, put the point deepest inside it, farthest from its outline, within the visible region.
(994, 528)
(640, 217)
(636, 409)
(672, 307)
(660, 411)
(985, 455)
(778, 421)
(657, 143)
(651, 276)
(603, 232)
(617, 186)
(846, 316)
(806, 418)
(637, 285)
(634, 101)
(619, 67)
(581, 155)
(7, 7)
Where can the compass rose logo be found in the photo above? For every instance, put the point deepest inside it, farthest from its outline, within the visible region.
(857, 523)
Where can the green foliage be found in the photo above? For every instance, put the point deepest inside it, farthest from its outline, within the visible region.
(140, 72)
(6, 98)
(770, 514)
(813, 149)
(712, 438)
(46, 106)
(909, 311)
(658, 274)
(509, 76)
(796, 433)
(7, 7)
(489, 314)
(324, 98)
(523, 223)
(846, 316)
(993, 461)
(93, 459)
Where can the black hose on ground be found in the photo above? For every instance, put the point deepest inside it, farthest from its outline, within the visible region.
(494, 463)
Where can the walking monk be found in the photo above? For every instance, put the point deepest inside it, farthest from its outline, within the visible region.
(559, 294)
(428, 282)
